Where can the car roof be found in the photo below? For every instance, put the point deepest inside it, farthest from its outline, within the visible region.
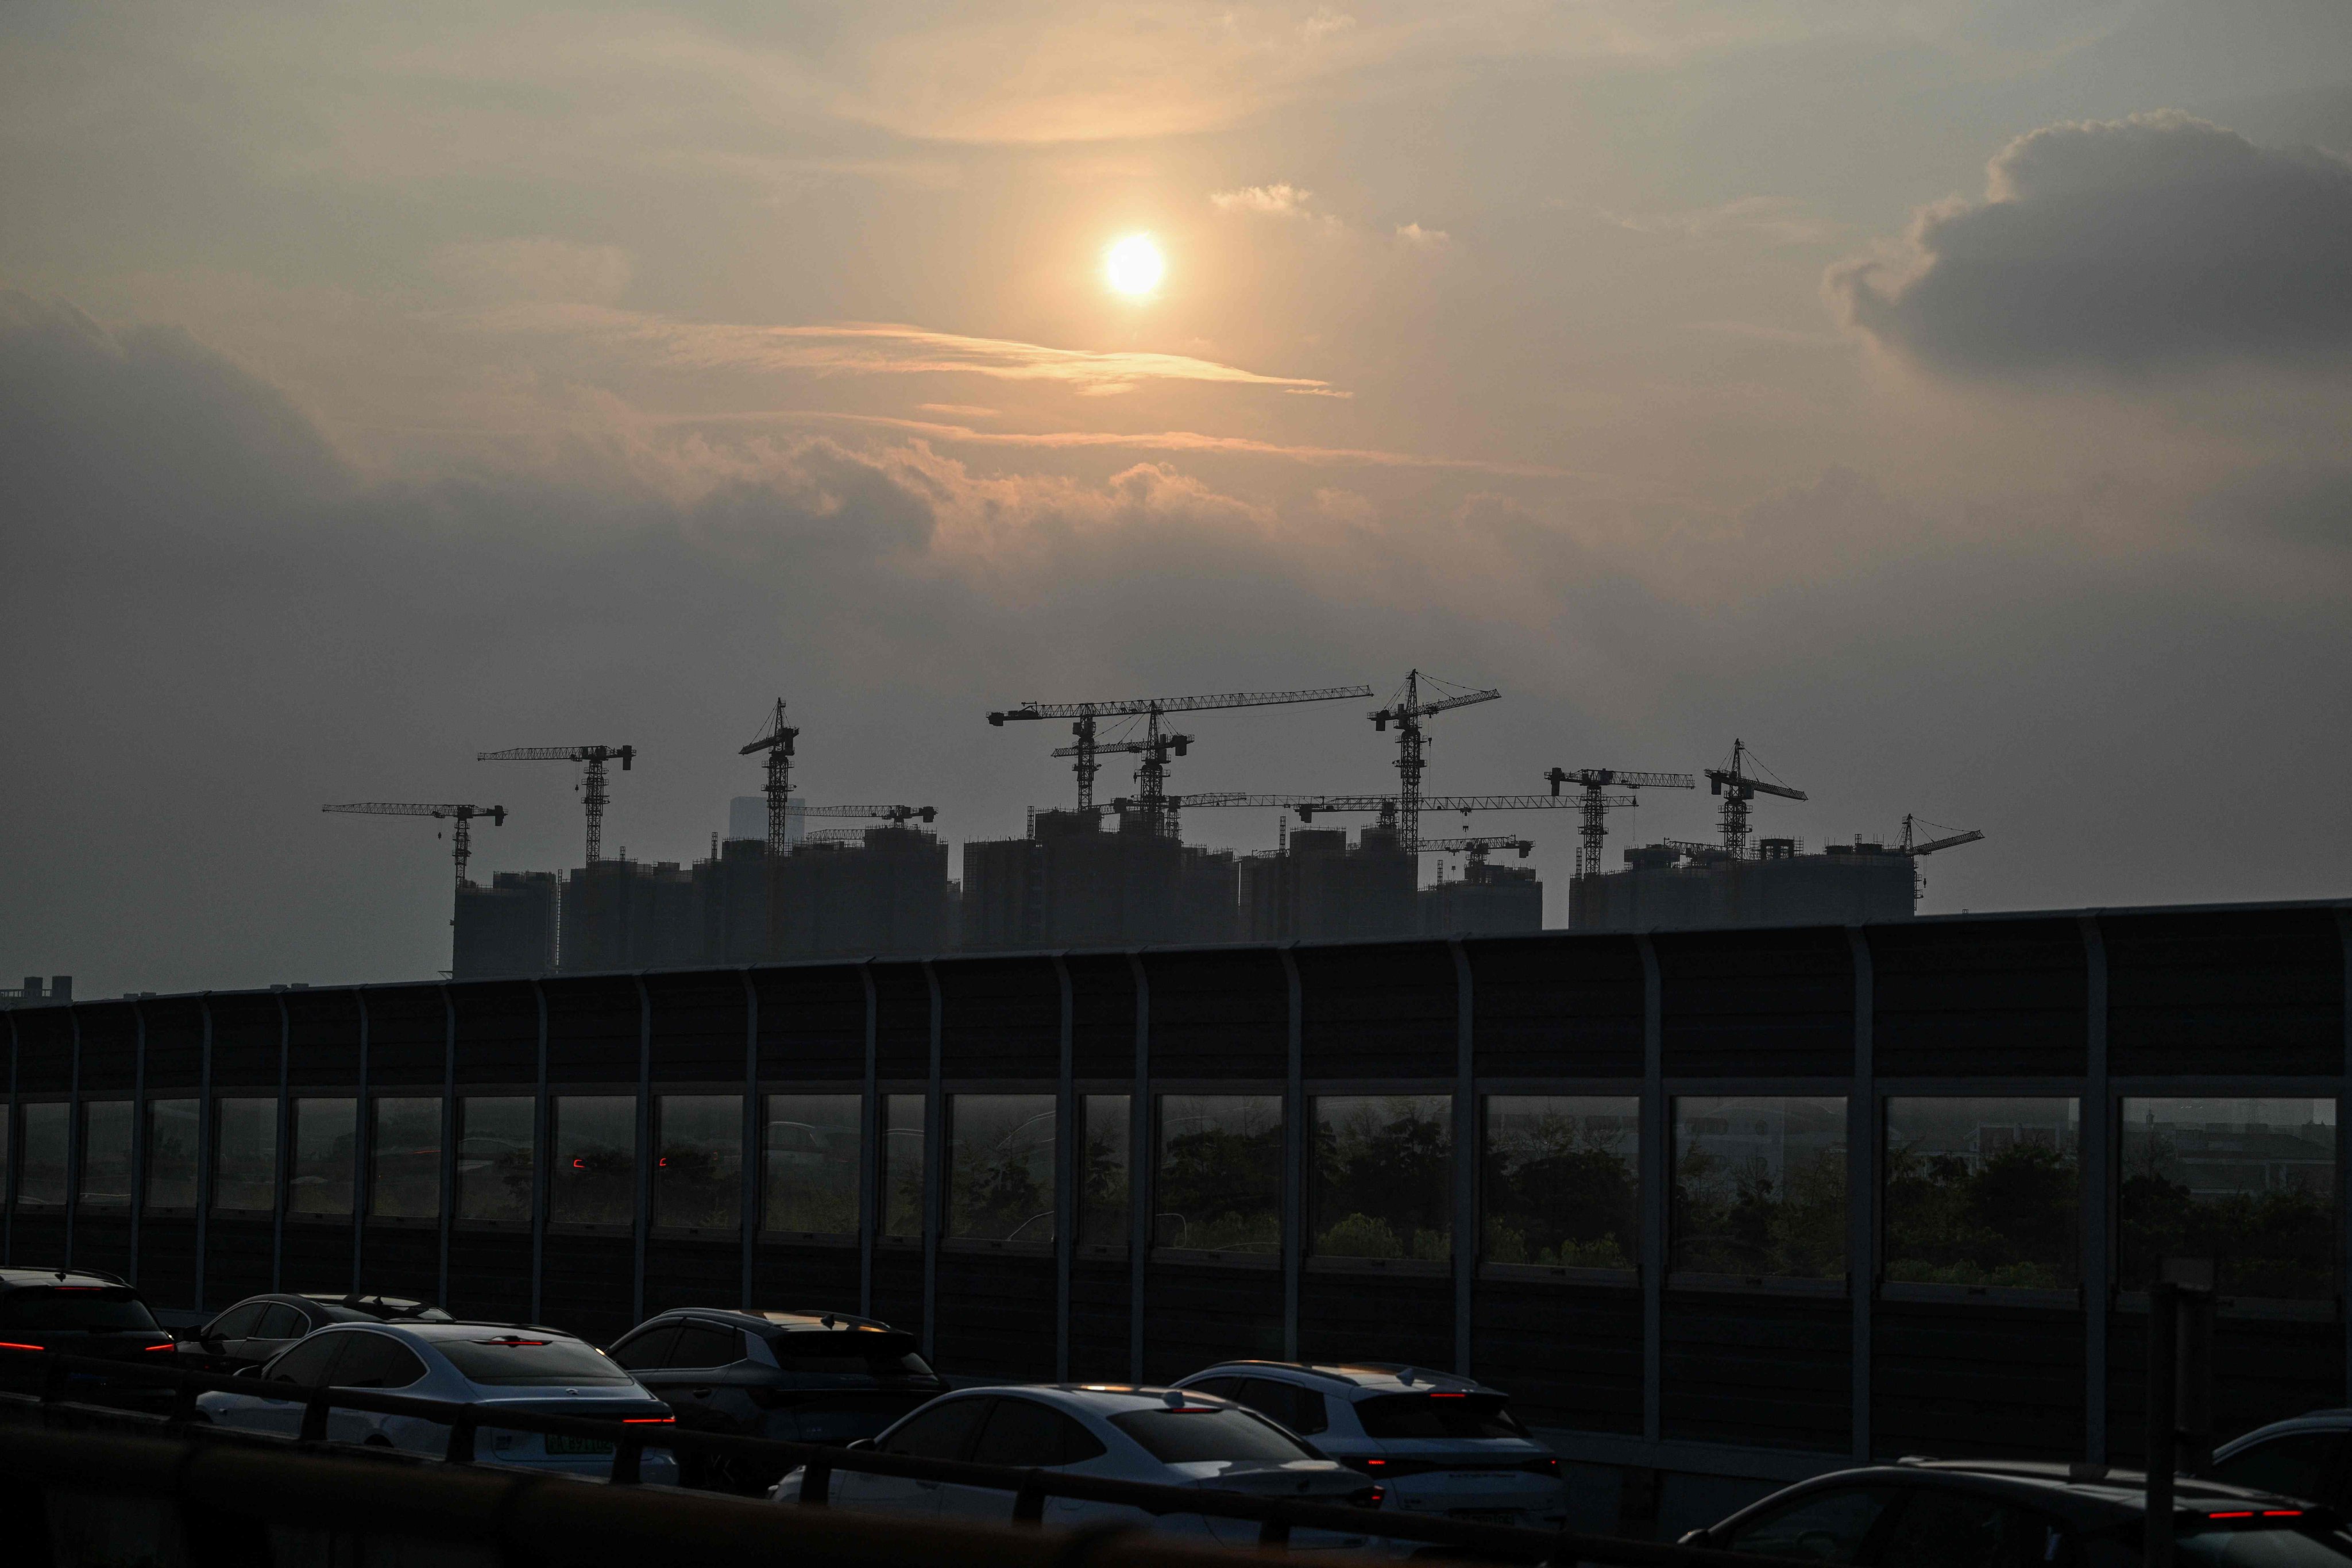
(2091, 1494)
(1353, 1379)
(1102, 1398)
(2332, 1420)
(33, 1278)
(807, 1321)
(429, 1331)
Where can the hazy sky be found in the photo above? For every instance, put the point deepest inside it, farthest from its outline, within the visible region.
(1948, 397)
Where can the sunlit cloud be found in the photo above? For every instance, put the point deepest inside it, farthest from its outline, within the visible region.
(1273, 200)
(1774, 220)
(1426, 239)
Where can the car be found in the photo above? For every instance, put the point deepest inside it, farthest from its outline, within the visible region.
(1166, 1436)
(252, 1330)
(493, 1365)
(83, 1312)
(2307, 1457)
(1440, 1444)
(801, 1376)
(1983, 1513)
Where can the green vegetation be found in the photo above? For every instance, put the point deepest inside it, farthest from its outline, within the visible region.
(1738, 1221)
(1556, 1195)
(1383, 1182)
(2008, 1220)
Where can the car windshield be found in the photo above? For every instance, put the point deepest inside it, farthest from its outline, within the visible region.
(528, 1360)
(95, 1309)
(1199, 1432)
(1438, 1416)
(2250, 1546)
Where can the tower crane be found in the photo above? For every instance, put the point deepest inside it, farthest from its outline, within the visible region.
(776, 739)
(592, 792)
(1157, 745)
(894, 815)
(1738, 787)
(1914, 847)
(461, 834)
(1477, 846)
(1406, 710)
(1595, 782)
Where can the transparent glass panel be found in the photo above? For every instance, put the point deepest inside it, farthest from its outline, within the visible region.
(7, 1145)
(405, 1150)
(1984, 1191)
(245, 1155)
(1001, 1168)
(105, 1154)
(1562, 1183)
(1383, 1176)
(2250, 1184)
(814, 1143)
(1760, 1187)
(1220, 1173)
(698, 1161)
(326, 1151)
(596, 1159)
(497, 1148)
(1106, 1129)
(171, 1153)
(902, 1165)
(41, 1183)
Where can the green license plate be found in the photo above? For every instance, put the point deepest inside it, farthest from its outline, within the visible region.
(577, 1445)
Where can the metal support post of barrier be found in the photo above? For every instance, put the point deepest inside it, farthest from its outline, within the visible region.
(1029, 1503)
(628, 1453)
(817, 1485)
(2163, 1400)
(460, 1450)
(1274, 1535)
(314, 1417)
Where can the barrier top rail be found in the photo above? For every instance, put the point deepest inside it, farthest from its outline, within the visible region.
(631, 1437)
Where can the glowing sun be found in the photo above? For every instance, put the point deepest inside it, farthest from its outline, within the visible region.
(1134, 265)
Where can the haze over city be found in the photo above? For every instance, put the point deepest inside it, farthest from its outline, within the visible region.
(1946, 398)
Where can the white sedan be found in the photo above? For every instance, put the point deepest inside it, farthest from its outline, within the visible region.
(492, 1365)
(1161, 1436)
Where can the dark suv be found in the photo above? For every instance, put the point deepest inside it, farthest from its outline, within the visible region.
(79, 1311)
(808, 1377)
(258, 1327)
(1987, 1513)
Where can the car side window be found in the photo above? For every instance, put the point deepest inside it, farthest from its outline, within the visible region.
(309, 1364)
(1827, 1526)
(707, 1344)
(237, 1322)
(1024, 1432)
(1222, 1388)
(2300, 1464)
(1940, 1529)
(1300, 1409)
(648, 1350)
(377, 1361)
(942, 1431)
(282, 1322)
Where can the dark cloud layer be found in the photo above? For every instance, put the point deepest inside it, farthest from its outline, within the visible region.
(2130, 244)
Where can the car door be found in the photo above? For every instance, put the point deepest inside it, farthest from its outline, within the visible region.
(1951, 1528)
(941, 1430)
(380, 1363)
(1831, 1524)
(2307, 1464)
(279, 1327)
(1024, 1434)
(696, 1382)
(290, 1377)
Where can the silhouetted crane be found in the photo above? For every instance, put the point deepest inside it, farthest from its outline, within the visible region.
(1738, 787)
(1913, 847)
(1406, 709)
(1155, 746)
(462, 815)
(894, 815)
(1595, 782)
(593, 778)
(776, 739)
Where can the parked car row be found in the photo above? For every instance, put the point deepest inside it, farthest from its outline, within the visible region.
(1368, 1435)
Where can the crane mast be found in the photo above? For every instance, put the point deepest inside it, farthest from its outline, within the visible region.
(592, 795)
(1406, 711)
(1738, 787)
(1596, 802)
(776, 739)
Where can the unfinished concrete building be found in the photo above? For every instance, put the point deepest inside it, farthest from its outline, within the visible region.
(1075, 882)
(506, 929)
(886, 894)
(1673, 888)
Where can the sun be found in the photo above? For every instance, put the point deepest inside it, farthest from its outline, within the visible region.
(1134, 265)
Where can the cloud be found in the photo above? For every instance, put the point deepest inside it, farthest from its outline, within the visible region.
(538, 269)
(1775, 220)
(2153, 242)
(1273, 200)
(1426, 239)
(871, 348)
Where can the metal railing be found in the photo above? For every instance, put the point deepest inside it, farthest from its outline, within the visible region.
(1276, 1518)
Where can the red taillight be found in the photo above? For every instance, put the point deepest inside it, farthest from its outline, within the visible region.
(1546, 1467)
(13, 1345)
(1449, 1396)
(647, 1420)
(580, 1164)
(166, 1345)
(2235, 1513)
(1375, 1495)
